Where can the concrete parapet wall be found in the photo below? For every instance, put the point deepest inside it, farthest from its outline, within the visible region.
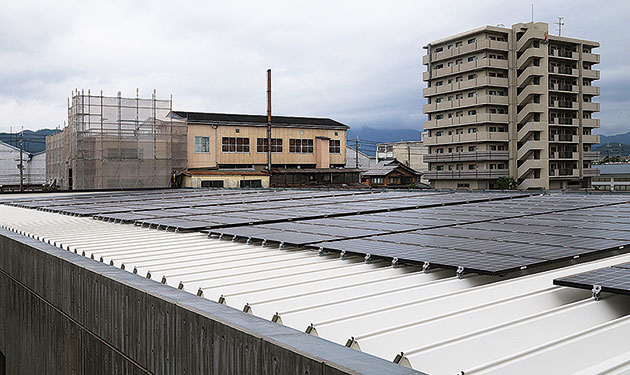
(61, 313)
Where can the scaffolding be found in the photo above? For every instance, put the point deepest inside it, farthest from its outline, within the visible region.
(117, 143)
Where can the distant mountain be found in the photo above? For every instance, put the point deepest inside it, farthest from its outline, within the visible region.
(612, 149)
(617, 138)
(34, 142)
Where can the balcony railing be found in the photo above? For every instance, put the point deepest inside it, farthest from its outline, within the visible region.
(590, 155)
(563, 138)
(477, 174)
(564, 172)
(590, 172)
(466, 156)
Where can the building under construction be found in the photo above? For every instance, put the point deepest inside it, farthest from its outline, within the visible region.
(116, 143)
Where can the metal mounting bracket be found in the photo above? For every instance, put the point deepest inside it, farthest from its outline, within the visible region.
(597, 292)
(460, 272)
(426, 267)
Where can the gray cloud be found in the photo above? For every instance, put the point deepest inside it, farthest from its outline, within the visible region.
(357, 62)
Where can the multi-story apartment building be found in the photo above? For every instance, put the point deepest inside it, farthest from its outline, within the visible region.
(512, 102)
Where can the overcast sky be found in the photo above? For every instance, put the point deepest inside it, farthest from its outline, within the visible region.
(358, 62)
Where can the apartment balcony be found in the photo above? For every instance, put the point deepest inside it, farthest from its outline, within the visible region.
(590, 106)
(532, 183)
(562, 87)
(565, 71)
(564, 121)
(465, 49)
(590, 122)
(466, 156)
(590, 139)
(591, 57)
(463, 85)
(564, 173)
(564, 138)
(590, 155)
(529, 110)
(564, 104)
(466, 138)
(564, 155)
(476, 174)
(529, 147)
(466, 120)
(530, 127)
(529, 54)
(465, 102)
(591, 74)
(564, 54)
(590, 172)
(590, 90)
(531, 34)
(529, 74)
(465, 67)
(530, 164)
(530, 90)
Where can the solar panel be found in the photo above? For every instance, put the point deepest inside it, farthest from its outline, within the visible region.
(614, 279)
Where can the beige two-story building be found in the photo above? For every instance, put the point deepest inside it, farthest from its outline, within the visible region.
(514, 102)
(236, 146)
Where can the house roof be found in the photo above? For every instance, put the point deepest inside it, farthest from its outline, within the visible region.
(385, 167)
(259, 120)
(192, 172)
(613, 169)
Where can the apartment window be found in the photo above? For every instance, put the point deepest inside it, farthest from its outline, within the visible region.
(472, 40)
(450, 150)
(459, 167)
(439, 168)
(493, 129)
(472, 94)
(439, 83)
(449, 64)
(472, 166)
(334, 146)
(459, 113)
(472, 112)
(458, 61)
(459, 79)
(472, 76)
(459, 131)
(493, 166)
(450, 46)
(276, 145)
(492, 92)
(235, 144)
(450, 98)
(439, 133)
(458, 44)
(439, 151)
(251, 183)
(459, 96)
(439, 117)
(472, 58)
(439, 49)
(450, 115)
(472, 148)
(438, 66)
(439, 100)
(472, 130)
(449, 81)
(301, 146)
(492, 110)
(202, 145)
(212, 184)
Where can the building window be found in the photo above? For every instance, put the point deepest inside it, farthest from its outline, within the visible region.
(472, 94)
(472, 58)
(235, 144)
(472, 40)
(472, 130)
(377, 180)
(202, 145)
(301, 146)
(276, 145)
(472, 112)
(251, 183)
(334, 146)
(463, 186)
(393, 180)
(472, 76)
(212, 184)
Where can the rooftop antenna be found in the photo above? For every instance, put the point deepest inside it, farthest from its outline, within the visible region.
(532, 12)
(560, 24)
(269, 119)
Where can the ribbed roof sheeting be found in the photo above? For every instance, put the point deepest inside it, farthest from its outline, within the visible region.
(433, 322)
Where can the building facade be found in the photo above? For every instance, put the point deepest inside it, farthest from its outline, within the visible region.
(391, 173)
(514, 102)
(34, 168)
(612, 177)
(410, 153)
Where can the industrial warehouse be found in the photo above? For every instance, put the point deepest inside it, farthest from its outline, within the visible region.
(326, 281)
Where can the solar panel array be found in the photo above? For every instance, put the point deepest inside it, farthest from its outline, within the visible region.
(615, 279)
(491, 233)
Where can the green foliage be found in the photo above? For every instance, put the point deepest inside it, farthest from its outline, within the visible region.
(507, 183)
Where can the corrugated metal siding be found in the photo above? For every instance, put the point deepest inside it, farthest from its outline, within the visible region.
(432, 321)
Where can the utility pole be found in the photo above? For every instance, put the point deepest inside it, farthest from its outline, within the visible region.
(21, 164)
(356, 152)
(269, 119)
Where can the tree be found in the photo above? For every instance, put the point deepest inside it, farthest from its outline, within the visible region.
(507, 183)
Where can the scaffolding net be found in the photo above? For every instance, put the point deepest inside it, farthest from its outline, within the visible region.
(120, 143)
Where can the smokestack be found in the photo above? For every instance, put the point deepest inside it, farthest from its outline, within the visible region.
(269, 119)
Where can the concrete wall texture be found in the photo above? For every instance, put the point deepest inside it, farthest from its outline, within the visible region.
(61, 313)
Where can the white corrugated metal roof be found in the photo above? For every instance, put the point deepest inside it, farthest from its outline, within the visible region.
(433, 322)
